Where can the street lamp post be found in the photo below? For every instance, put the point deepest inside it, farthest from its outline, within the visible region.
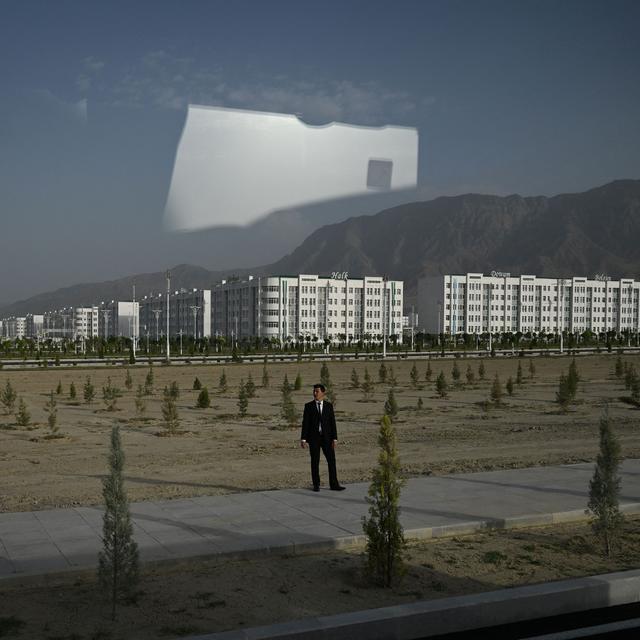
(561, 300)
(194, 311)
(168, 276)
(412, 326)
(136, 324)
(346, 311)
(156, 313)
(384, 317)
(105, 314)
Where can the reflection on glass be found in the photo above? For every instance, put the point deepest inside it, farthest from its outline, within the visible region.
(234, 166)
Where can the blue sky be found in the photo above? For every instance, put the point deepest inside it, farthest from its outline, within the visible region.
(509, 97)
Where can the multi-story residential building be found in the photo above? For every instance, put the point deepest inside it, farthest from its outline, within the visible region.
(287, 307)
(119, 319)
(14, 327)
(189, 314)
(474, 303)
(70, 323)
(86, 322)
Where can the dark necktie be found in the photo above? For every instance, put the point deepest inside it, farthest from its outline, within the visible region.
(320, 414)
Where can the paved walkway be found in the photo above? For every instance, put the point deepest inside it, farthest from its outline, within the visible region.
(40, 542)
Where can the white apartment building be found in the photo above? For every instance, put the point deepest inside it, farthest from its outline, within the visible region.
(476, 303)
(119, 319)
(189, 314)
(86, 322)
(71, 323)
(287, 307)
(14, 327)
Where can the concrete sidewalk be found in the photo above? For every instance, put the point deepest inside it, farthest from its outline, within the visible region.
(292, 520)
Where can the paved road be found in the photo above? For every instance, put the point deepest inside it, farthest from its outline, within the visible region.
(39, 542)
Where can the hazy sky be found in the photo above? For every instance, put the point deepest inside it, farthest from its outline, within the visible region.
(527, 97)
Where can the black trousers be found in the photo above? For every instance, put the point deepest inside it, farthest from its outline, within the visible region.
(329, 454)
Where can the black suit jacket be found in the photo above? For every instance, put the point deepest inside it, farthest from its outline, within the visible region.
(311, 419)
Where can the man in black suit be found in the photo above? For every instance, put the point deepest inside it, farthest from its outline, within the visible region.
(319, 432)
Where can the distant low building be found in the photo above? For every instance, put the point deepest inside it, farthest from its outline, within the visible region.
(34, 326)
(70, 323)
(410, 320)
(475, 303)
(119, 319)
(189, 314)
(58, 324)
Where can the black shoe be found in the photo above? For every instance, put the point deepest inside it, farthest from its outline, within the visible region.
(316, 488)
(338, 488)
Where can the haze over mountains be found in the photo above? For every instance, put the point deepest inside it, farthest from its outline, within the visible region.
(597, 231)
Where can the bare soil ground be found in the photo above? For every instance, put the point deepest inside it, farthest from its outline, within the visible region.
(219, 452)
(218, 594)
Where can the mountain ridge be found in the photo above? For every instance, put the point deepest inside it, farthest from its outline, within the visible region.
(582, 233)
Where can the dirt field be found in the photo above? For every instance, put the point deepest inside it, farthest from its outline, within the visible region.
(220, 452)
(220, 594)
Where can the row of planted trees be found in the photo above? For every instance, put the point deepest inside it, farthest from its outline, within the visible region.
(169, 401)
(442, 385)
(14, 404)
(518, 340)
(624, 371)
(110, 393)
(52, 350)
